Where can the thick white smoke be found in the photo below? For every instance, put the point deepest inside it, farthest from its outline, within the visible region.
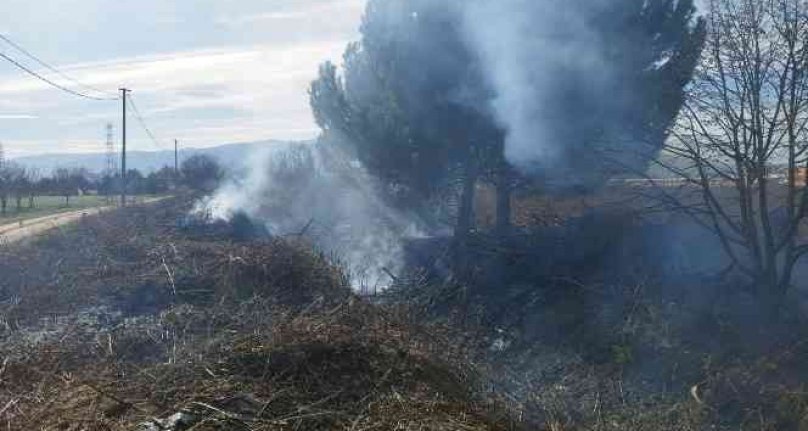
(525, 45)
(314, 190)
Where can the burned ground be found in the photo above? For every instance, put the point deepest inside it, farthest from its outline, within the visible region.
(606, 318)
(178, 326)
(168, 327)
(148, 260)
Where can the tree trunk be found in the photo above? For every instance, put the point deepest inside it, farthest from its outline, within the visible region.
(465, 222)
(465, 214)
(772, 300)
(504, 193)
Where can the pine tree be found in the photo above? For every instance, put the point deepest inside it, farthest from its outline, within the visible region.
(415, 102)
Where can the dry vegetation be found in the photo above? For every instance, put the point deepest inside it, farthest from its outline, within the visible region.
(137, 322)
(634, 354)
(127, 322)
(256, 367)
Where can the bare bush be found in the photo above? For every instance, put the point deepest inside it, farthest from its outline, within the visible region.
(742, 138)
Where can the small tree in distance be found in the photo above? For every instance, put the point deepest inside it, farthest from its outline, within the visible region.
(61, 184)
(34, 178)
(69, 182)
(20, 184)
(202, 173)
(159, 182)
(6, 184)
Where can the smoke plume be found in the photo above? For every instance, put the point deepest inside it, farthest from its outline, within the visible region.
(313, 190)
(527, 47)
(584, 89)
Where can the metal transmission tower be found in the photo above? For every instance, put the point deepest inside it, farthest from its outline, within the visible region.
(111, 171)
(124, 92)
(112, 158)
(176, 159)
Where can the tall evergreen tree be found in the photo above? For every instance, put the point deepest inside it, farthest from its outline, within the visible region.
(415, 102)
(650, 49)
(409, 101)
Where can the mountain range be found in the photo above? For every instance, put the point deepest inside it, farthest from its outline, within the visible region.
(230, 156)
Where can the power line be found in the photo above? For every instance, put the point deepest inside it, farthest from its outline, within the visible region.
(48, 66)
(143, 123)
(48, 81)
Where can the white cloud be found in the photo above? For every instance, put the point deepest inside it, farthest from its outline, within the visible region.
(17, 117)
(297, 11)
(237, 94)
(246, 79)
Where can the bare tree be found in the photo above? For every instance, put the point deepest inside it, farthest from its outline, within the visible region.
(69, 182)
(33, 179)
(742, 134)
(18, 176)
(6, 185)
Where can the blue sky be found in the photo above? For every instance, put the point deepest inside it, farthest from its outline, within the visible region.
(203, 71)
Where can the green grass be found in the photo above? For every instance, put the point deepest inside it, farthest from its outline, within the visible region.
(49, 205)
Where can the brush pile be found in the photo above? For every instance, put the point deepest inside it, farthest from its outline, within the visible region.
(138, 321)
(256, 367)
(142, 261)
(124, 322)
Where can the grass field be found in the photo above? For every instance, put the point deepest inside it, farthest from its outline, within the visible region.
(48, 205)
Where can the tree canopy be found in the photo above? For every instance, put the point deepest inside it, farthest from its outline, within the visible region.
(419, 100)
(408, 102)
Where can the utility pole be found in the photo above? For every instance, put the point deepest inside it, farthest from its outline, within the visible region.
(124, 92)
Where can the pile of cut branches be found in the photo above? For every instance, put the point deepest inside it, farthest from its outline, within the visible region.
(255, 367)
(126, 322)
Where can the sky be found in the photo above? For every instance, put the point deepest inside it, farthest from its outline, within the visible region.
(206, 72)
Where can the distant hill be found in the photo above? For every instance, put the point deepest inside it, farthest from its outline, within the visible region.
(231, 156)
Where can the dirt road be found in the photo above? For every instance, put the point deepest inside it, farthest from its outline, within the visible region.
(18, 231)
